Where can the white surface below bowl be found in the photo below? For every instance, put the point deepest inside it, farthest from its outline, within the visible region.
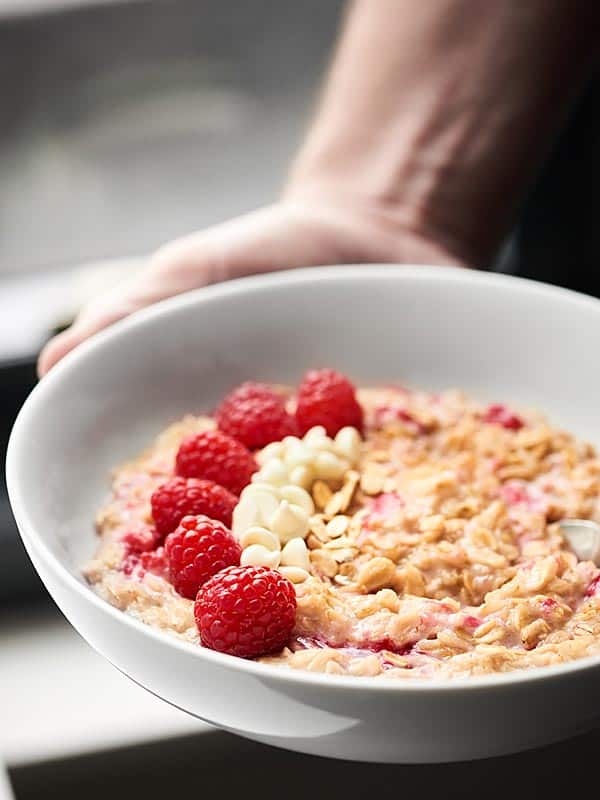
(498, 337)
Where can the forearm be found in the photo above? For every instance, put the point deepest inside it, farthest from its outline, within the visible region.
(429, 129)
(440, 111)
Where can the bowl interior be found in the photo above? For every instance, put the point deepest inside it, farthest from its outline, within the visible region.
(499, 338)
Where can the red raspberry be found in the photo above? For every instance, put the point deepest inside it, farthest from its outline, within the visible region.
(326, 397)
(549, 605)
(146, 561)
(130, 563)
(255, 415)
(154, 561)
(197, 550)
(594, 587)
(217, 457)
(498, 414)
(246, 611)
(179, 497)
(383, 415)
(514, 493)
(141, 539)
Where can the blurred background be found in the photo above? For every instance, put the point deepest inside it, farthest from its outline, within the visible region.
(123, 125)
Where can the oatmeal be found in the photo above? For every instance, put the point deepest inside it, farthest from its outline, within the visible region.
(427, 545)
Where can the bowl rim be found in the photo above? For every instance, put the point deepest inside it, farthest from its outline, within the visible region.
(34, 543)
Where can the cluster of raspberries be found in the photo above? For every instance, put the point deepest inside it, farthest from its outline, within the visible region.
(244, 611)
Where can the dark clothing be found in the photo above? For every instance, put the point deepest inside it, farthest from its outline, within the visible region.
(558, 236)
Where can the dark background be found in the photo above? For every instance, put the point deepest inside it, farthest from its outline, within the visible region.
(229, 767)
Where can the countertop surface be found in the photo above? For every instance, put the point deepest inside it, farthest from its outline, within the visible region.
(59, 699)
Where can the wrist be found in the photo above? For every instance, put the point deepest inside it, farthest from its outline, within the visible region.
(379, 228)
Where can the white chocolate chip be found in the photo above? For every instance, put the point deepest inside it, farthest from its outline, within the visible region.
(267, 505)
(253, 488)
(294, 574)
(273, 450)
(259, 535)
(298, 496)
(299, 455)
(290, 441)
(316, 439)
(348, 444)
(245, 515)
(289, 521)
(255, 508)
(328, 466)
(258, 556)
(302, 476)
(274, 472)
(295, 554)
(266, 497)
(317, 432)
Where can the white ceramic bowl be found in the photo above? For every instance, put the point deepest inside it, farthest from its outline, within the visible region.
(499, 337)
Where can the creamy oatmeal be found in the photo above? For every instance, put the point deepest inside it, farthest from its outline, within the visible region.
(434, 552)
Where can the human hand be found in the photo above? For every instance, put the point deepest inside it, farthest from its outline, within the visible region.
(282, 236)
(420, 153)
